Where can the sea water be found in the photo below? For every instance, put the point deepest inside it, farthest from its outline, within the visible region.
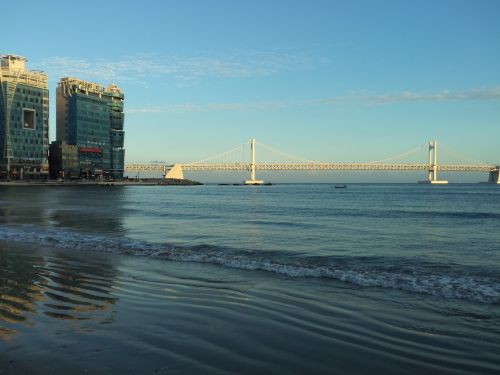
(279, 279)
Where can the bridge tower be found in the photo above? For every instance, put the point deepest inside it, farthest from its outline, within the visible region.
(433, 166)
(252, 180)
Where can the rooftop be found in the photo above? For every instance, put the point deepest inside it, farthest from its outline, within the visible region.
(13, 70)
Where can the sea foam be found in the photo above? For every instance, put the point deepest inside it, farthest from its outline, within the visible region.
(446, 285)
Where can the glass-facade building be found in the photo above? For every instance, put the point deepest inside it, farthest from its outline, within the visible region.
(91, 117)
(117, 134)
(24, 120)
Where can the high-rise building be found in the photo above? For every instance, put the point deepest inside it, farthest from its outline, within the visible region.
(24, 120)
(91, 117)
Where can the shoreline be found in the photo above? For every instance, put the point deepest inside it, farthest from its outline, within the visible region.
(140, 182)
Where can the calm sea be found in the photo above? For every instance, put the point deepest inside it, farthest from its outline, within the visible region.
(232, 279)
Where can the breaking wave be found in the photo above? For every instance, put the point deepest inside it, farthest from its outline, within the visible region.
(357, 271)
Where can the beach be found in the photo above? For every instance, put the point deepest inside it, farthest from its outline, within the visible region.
(112, 281)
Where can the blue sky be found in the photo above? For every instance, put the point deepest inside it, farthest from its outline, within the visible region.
(325, 80)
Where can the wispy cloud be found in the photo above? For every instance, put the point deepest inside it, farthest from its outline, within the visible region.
(476, 94)
(184, 69)
(209, 107)
(483, 93)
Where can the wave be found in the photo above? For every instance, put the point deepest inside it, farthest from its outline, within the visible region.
(448, 214)
(415, 214)
(358, 271)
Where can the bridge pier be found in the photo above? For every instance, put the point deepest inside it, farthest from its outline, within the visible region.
(433, 168)
(494, 177)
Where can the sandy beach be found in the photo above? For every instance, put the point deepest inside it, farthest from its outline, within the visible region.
(82, 312)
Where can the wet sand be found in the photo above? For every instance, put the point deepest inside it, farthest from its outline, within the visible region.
(79, 312)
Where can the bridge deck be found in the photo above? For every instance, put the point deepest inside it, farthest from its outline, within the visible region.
(314, 166)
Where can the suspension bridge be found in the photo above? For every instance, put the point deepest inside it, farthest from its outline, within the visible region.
(431, 167)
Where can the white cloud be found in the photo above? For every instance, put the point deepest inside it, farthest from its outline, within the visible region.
(480, 94)
(184, 69)
(209, 107)
(483, 93)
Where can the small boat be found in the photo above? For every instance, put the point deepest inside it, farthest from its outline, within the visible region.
(340, 186)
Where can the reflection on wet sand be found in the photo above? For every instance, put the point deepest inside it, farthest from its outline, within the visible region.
(55, 285)
(85, 209)
(21, 206)
(20, 288)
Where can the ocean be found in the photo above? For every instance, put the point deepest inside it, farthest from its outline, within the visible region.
(290, 278)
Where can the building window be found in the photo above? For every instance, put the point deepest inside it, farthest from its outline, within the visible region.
(28, 118)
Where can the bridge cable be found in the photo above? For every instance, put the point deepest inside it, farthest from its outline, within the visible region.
(288, 155)
(412, 151)
(216, 156)
(462, 157)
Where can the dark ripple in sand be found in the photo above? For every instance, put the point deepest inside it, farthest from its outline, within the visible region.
(60, 288)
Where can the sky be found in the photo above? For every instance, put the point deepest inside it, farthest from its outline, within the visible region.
(338, 81)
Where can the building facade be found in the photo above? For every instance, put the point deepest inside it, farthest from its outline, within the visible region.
(24, 120)
(63, 160)
(90, 116)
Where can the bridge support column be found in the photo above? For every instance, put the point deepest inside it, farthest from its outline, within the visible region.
(174, 172)
(252, 180)
(494, 177)
(433, 167)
